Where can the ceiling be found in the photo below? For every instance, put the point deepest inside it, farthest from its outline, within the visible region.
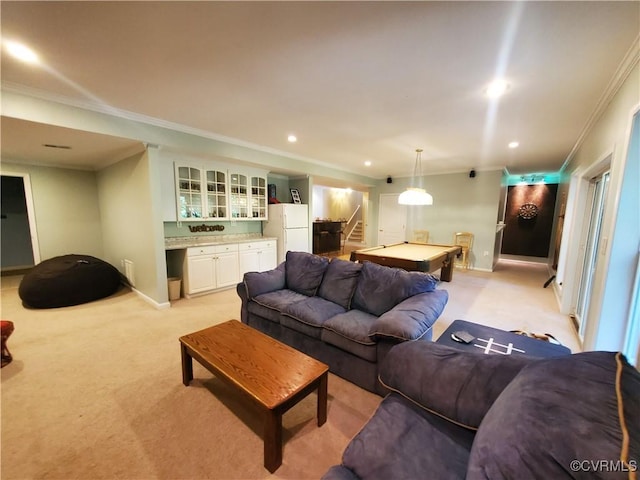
(354, 81)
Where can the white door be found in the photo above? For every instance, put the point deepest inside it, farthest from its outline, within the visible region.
(268, 258)
(296, 240)
(295, 216)
(201, 274)
(595, 212)
(249, 261)
(226, 269)
(392, 220)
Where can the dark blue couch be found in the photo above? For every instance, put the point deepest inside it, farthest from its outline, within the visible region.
(345, 314)
(464, 415)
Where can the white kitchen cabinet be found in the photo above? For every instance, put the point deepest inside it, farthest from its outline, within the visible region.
(257, 256)
(209, 268)
(258, 197)
(248, 194)
(201, 193)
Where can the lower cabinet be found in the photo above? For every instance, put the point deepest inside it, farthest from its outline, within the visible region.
(211, 267)
(257, 256)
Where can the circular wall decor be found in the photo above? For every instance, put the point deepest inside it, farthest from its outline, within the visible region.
(528, 211)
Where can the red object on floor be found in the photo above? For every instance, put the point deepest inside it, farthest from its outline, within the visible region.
(6, 330)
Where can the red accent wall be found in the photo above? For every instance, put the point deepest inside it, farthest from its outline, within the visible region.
(529, 238)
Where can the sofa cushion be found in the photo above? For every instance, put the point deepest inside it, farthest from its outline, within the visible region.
(339, 282)
(304, 272)
(402, 442)
(582, 407)
(273, 303)
(350, 332)
(258, 283)
(458, 385)
(412, 318)
(255, 309)
(381, 288)
(309, 315)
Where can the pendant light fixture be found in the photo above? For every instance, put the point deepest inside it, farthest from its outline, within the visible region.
(415, 195)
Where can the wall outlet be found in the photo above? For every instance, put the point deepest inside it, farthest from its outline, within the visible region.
(486, 253)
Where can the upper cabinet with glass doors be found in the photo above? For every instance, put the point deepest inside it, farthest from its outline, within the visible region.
(248, 195)
(189, 193)
(217, 205)
(239, 196)
(217, 193)
(201, 193)
(259, 198)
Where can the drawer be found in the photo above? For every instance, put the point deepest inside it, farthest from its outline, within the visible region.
(205, 250)
(211, 249)
(259, 245)
(229, 247)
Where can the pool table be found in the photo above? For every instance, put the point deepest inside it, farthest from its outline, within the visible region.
(420, 257)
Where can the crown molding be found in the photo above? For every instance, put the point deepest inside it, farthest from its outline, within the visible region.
(19, 89)
(629, 62)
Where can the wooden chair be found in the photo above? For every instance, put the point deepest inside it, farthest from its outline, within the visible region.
(465, 240)
(421, 236)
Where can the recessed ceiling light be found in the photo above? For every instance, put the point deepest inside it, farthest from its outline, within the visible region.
(497, 88)
(367, 163)
(514, 144)
(21, 52)
(292, 139)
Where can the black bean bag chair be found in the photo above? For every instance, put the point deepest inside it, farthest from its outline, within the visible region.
(68, 280)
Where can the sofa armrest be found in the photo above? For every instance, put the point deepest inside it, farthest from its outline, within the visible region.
(257, 283)
(339, 472)
(456, 385)
(411, 318)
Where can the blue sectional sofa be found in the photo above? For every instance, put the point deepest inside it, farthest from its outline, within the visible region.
(455, 414)
(345, 314)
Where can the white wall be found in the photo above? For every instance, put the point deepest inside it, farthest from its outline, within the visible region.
(609, 136)
(132, 225)
(66, 209)
(460, 204)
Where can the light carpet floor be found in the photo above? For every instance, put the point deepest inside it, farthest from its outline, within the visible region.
(95, 391)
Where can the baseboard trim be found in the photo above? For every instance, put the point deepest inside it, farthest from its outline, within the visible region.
(7, 272)
(151, 301)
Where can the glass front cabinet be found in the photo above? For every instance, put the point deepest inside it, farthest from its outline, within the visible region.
(217, 205)
(259, 198)
(248, 195)
(239, 193)
(220, 193)
(189, 193)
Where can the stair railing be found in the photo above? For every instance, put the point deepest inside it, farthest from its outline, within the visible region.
(351, 224)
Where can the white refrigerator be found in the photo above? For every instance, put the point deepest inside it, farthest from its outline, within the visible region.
(289, 223)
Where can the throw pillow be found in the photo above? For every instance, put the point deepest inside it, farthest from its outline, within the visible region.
(339, 282)
(304, 272)
(381, 288)
(258, 283)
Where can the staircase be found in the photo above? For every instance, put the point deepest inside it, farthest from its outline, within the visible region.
(356, 233)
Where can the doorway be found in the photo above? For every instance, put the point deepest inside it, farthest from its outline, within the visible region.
(18, 231)
(392, 220)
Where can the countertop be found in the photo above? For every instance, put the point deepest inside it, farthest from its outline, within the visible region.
(176, 243)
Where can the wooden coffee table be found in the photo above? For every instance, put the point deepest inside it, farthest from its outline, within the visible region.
(273, 375)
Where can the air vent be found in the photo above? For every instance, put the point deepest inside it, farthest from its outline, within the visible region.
(51, 145)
